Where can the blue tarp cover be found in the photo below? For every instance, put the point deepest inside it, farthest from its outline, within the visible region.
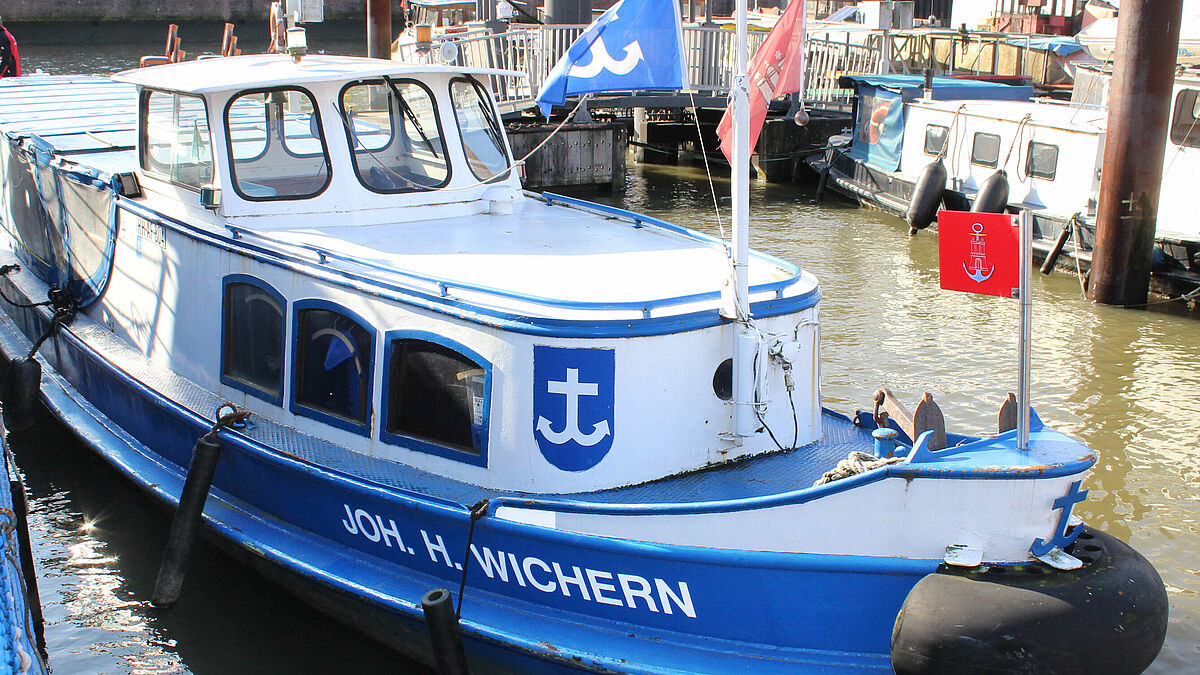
(1061, 46)
(944, 88)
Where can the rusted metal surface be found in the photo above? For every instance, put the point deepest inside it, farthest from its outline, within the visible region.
(928, 417)
(1138, 114)
(379, 29)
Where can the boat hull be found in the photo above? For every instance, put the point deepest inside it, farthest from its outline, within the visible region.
(367, 554)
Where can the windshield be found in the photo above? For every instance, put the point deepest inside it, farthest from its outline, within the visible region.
(395, 136)
(276, 145)
(482, 138)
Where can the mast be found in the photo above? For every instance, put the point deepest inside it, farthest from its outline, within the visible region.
(744, 341)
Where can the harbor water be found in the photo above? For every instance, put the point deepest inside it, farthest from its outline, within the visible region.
(1125, 381)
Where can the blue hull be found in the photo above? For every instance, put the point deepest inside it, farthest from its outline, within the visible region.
(536, 598)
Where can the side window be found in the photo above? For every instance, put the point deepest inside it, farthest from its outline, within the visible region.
(252, 338)
(1185, 119)
(175, 138)
(1042, 160)
(394, 135)
(482, 136)
(276, 149)
(333, 367)
(986, 150)
(436, 399)
(935, 139)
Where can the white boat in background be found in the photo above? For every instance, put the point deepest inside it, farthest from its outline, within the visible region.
(1046, 155)
(1100, 36)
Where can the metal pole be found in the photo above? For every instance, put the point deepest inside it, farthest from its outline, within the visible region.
(1139, 110)
(379, 29)
(744, 347)
(1026, 283)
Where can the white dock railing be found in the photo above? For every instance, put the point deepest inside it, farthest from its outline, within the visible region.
(534, 49)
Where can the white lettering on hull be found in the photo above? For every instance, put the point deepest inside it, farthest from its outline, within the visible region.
(589, 585)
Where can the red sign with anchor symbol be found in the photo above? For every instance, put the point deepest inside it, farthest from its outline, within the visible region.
(979, 252)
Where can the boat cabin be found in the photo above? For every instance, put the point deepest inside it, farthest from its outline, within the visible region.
(342, 246)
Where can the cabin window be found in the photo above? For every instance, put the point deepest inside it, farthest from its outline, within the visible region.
(935, 139)
(483, 138)
(333, 366)
(437, 398)
(175, 138)
(1185, 119)
(1042, 160)
(986, 150)
(276, 147)
(252, 338)
(392, 126)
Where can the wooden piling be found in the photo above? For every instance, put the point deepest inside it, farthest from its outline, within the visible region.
(379, 29)
(1138, 114)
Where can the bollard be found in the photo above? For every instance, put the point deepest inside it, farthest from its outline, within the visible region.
(885, 443)
(443, 632)
(205, 456)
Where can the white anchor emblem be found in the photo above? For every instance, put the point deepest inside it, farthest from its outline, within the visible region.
(572, 388)
(601, 60)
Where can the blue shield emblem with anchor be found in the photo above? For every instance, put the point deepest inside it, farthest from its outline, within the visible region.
(573, 405)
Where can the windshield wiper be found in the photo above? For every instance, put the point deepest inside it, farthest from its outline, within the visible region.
(412, 117)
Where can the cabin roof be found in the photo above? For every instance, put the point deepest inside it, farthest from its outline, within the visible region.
(204, 76)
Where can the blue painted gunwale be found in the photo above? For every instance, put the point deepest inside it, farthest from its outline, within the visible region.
(289, 513)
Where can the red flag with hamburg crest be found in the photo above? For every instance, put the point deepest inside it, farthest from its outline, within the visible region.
(979, 252)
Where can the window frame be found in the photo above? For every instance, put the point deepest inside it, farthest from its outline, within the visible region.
(437, 116)
(481, 91)
(946, 134)
(975, 142)
(1029, 160)
(1185, 135)
(144, 136)
(426, 446)
(304, 410)
(232, 168)
(241, 385)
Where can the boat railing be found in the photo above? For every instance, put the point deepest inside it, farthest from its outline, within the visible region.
(708, 53)
(829, 59)
(456, 290)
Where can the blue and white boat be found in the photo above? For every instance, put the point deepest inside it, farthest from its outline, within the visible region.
(451, 381)
(20, 608)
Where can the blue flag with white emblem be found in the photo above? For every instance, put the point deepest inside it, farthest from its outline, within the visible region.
(636, 44)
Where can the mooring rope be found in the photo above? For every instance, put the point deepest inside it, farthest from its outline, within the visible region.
(478, 511)
(855, 463)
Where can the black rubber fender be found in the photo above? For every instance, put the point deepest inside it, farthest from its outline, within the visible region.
(993, 194)
(926, 196)
(1109, 617)
(21, 393)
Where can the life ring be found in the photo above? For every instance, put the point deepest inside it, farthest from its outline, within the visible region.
(878, 118)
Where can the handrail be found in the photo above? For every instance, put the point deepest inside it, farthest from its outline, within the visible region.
(444, 287)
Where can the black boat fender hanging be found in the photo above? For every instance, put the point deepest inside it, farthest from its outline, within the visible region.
(1110, 616)
(993, 194)
(926, 196)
